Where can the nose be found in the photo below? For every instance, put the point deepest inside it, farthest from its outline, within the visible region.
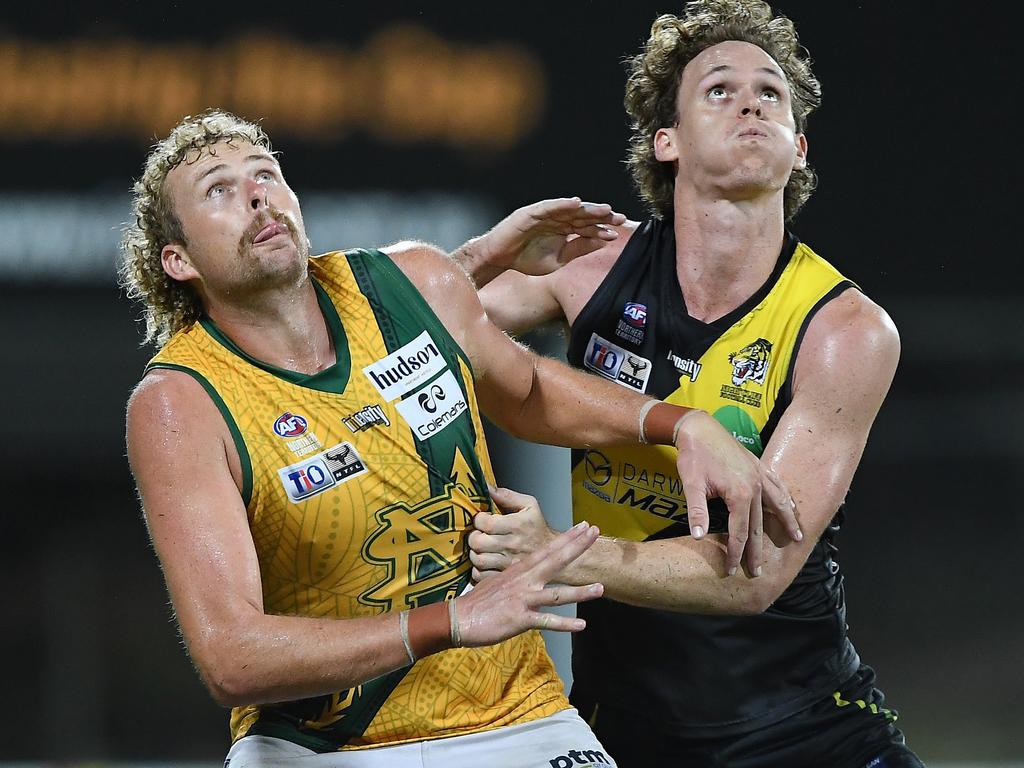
(752, 105)
(258, 196)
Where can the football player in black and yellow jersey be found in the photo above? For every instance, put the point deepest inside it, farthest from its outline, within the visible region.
(713, 303)
(309, 453)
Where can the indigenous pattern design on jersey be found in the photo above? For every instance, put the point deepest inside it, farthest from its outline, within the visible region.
(361, 482)
(703, 675)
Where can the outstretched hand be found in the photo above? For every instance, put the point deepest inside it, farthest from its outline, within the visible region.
(538, 239)
(508, 603)
(712, 464)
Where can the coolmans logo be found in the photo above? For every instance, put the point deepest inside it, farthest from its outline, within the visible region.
(434, 407)
(751, 363)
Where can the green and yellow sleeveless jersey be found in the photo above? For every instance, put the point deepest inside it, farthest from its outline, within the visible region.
(360, 483)
(706, 675)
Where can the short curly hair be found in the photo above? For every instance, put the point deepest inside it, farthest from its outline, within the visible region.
(170, 305)
(655, 73)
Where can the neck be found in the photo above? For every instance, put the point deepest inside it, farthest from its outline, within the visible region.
(725, 251)
(283, 326)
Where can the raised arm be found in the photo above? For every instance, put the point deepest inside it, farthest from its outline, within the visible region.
(538, 239)
(815, 449)
(543, 400)
(188, 475)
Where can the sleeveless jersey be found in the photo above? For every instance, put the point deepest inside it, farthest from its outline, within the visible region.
(360, 484)
(703, 675)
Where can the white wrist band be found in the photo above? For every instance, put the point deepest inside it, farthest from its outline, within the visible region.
(453, 622)
(403, 628)
(644, 410)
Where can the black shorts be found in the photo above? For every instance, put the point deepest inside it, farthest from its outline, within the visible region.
(849, 729)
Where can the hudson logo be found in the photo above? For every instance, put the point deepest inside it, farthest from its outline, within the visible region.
(318, 473)
(289, 425)
(365, 418)
(615, 363)
(434, 407)
(407, 368)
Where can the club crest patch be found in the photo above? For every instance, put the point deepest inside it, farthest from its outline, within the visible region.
(750, 364)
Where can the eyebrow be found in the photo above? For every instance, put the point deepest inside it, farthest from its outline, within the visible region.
(257, 157)
(727, 68)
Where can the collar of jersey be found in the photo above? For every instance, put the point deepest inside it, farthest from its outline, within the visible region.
(334, 378)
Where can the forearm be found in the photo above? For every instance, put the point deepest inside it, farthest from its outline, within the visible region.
(263, 658)
(571, 408)
(474, 258)
(679, 575)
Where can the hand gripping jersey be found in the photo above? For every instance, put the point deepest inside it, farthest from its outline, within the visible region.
(702, 675)
(361, 482)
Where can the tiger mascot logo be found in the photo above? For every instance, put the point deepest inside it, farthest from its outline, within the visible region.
(751, 362)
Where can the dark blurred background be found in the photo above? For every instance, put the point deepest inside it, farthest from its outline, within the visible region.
(433, 121)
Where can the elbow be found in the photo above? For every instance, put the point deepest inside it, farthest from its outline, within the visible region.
(227, 690)
(225, 672)
(758, 601)
(754, 596)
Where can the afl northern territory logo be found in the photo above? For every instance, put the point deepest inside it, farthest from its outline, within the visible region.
(289, 425)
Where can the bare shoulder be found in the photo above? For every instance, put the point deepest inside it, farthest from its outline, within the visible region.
(574, 284)
(168, 409)
(428, 268)
(853, 335)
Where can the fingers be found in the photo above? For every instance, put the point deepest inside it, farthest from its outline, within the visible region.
(696, 506)
(489, 561)
(739, 505)
(778, 502)
(512, 501)
(492, 524)
(575, 212)
(550, 559)
(563, 595)
(556, 623)
(754, 550)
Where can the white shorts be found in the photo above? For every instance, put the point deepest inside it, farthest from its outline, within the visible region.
(561, 740)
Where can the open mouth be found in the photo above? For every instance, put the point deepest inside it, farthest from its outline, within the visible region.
(272, 229)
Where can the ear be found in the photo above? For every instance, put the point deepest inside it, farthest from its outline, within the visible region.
(176, 263)
(801, 153)
(665, 145)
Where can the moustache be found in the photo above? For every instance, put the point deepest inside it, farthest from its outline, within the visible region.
(261, 221)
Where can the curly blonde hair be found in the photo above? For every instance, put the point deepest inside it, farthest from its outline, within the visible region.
(655, 74)
(171, 305)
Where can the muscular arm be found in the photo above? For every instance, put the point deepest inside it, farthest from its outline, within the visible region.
(187, 472)
(543, 400)
(815, 449)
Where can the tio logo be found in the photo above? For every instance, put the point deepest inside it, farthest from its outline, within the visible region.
(307, 479)
(604, 359)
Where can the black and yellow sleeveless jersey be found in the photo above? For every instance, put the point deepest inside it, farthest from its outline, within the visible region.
(702, 674)
(360, 484)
